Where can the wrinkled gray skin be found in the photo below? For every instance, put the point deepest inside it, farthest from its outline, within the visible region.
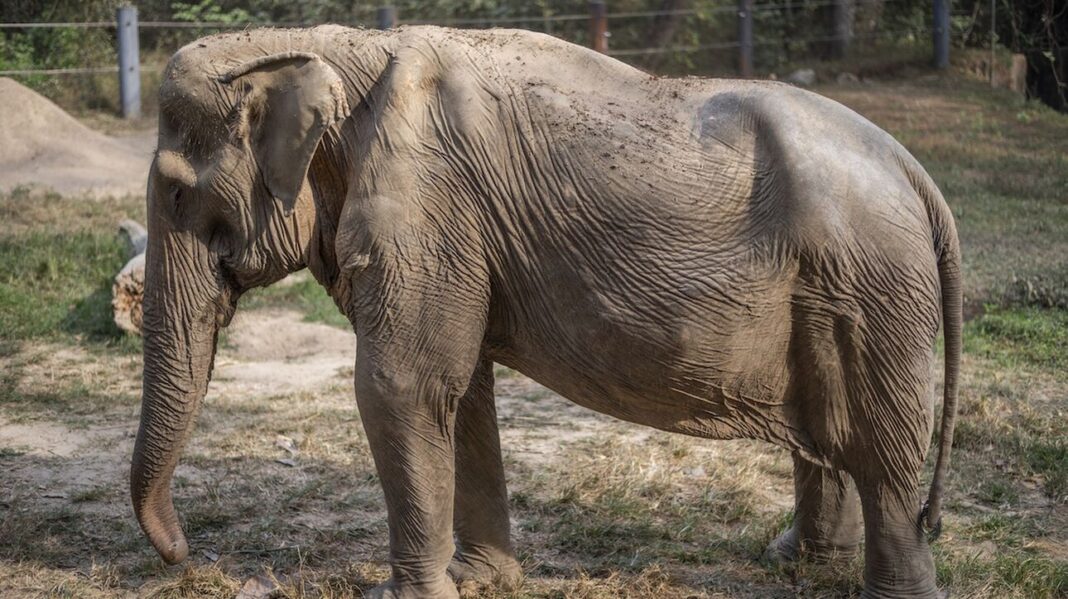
(724, 259)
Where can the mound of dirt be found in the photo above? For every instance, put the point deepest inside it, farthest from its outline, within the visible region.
(42, 146)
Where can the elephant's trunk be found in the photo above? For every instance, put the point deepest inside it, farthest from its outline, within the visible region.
(183, 308)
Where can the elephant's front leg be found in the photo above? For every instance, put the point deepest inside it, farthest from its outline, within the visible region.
(409, 426)
(485, 554)
(419, 335)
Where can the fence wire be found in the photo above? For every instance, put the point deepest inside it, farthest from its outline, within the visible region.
(70, 71)
(483, 22)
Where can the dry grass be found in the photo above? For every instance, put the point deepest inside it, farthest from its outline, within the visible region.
(601, 509)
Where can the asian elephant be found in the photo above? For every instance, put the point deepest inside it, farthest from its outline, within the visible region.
(724, 259)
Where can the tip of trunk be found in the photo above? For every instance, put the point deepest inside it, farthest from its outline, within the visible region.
(169, 541)
(160, 523)
(172, 551)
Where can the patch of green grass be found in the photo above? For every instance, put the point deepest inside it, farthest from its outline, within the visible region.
(10, 452)
(1005, 573)
(69, 402)
(628, 540)
(1034, 575)
(998, 492)
(1004, 530)
(1020, 336)
(1049, 458)
(90, 495)
(23, 210)
(53, 283)
(1031, 454)
(305, 295)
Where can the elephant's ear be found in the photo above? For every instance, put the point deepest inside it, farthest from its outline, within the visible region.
(292, 98)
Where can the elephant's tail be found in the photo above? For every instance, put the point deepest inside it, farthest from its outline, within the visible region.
(947, 248)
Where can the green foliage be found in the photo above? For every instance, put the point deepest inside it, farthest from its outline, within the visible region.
(16, 52)
(208, 11)
(786, 32)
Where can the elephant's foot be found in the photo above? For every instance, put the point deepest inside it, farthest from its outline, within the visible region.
(474, 572)
(900, 581)
(788, 548)
(440, 589)
(934, 594)
(783, 549)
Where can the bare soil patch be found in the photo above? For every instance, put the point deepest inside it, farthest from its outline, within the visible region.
(276, 352)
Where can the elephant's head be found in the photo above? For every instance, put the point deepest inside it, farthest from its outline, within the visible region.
(228, 209)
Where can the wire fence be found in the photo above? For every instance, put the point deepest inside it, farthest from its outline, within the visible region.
(734, 49)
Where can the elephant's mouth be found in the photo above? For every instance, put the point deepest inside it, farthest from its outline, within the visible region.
(226, 305)
(226, 314)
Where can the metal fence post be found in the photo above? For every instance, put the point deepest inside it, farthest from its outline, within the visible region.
(745, 38)
(129, 62)
(941, 34)
(598, 26)
(386, 17)
(993, 38)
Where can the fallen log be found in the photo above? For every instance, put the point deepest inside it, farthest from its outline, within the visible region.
(129, 286)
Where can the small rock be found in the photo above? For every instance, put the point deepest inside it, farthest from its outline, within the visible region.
(286, 443)
(801, 78)
(287, 462)
(211, 556)
(847, 79)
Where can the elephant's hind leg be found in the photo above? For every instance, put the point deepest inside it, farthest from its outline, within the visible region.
(484, 553)
(868, 356)
(827, 516)
(887, 368)
(897, 559)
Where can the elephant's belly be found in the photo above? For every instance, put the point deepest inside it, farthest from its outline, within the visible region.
(733, 409)
(716, 382)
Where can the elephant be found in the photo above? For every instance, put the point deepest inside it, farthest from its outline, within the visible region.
(723, 259)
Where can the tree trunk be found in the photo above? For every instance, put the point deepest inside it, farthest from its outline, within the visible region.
(663, 29)
(841, 26)
(1047, 79)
